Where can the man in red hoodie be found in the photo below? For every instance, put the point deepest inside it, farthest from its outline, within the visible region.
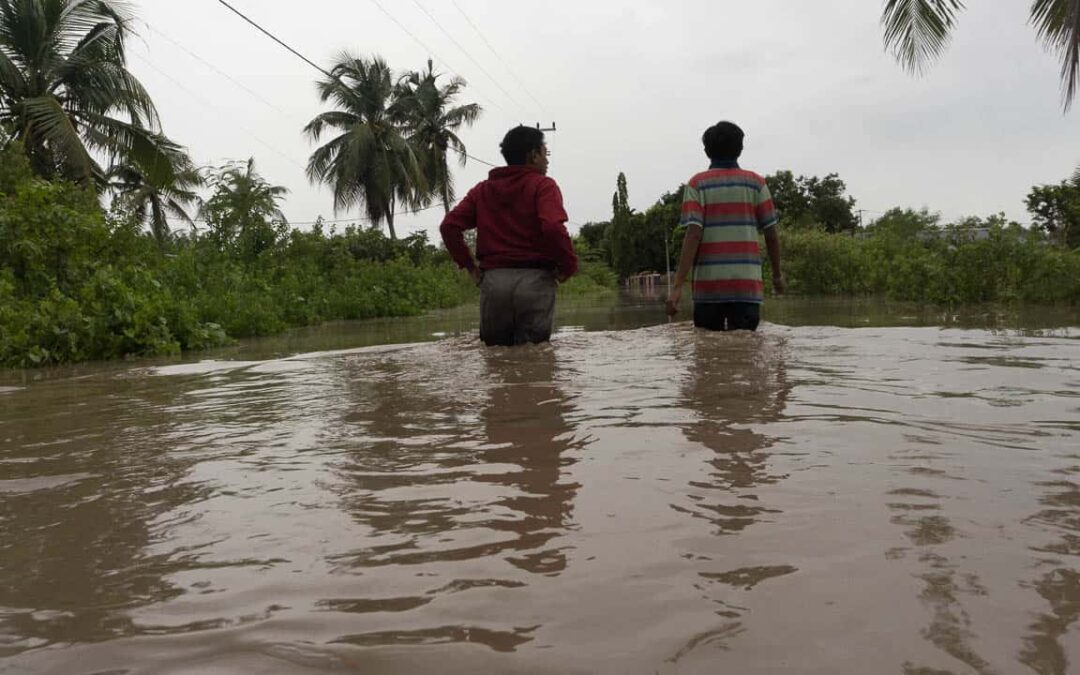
(522, 247)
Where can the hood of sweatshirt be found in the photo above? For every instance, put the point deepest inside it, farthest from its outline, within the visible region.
(506, 183)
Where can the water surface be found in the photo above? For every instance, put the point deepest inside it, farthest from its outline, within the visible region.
(635, 497)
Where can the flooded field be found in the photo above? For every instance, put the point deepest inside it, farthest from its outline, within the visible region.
(856, 488)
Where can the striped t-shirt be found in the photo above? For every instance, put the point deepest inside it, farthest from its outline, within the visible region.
(732, 206)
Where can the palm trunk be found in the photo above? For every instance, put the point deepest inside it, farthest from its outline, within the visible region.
(444, 188)
(159, 225)
(390, 219)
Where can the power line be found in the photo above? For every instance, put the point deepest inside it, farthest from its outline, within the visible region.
(208, 104)
(500, 58)
(468, 55)
(275, 39)
(217, 70)
(477, 159)
(331, 75)
(273, 149)
(244, 87)
(360, 219)
(198, 98)
(423, 46)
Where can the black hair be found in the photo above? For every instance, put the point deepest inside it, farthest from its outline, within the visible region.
(519, 142)
(723, 141)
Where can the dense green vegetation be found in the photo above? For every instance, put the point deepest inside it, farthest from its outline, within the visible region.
(904, 254)
(77, 129)
(81, 281)
(77, 283)
(1055, 209)
(948, 267)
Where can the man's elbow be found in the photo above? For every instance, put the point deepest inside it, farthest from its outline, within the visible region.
(447, 230)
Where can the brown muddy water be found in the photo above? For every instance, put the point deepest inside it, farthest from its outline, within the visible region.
(857, 488)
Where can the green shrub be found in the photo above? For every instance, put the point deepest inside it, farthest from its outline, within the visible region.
(1010, 266)
(76, 284)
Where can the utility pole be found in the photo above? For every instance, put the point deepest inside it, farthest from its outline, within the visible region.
(667, 260)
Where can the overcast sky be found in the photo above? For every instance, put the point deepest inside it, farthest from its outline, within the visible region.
(631, 85)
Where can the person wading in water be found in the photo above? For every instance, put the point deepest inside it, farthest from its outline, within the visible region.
(522, 247)
(724, 209)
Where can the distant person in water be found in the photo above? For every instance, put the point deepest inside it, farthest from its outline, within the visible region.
(522, 247)
(724, 210)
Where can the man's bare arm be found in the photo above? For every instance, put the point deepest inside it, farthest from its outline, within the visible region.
(772, 244)
(690, 245)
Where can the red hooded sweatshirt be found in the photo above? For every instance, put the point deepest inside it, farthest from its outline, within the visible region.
(520, 222)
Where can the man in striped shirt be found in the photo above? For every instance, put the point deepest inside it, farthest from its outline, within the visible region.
(724, 210)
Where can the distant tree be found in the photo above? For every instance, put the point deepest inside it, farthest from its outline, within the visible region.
(904, 224)
(243, 210)
(791, 200)
(637, 240)
(592, 238)
(370, 162)
(427, 109)
(153, 201)
(667, 212)
(812, 202)
(1055, 209)
(830, 205)
(619, 235)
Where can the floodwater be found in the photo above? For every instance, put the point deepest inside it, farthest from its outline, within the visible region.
(635, 497)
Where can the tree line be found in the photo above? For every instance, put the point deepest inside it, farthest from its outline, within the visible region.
(69, 100)
(634, 242)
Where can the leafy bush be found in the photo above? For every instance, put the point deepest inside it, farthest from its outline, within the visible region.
(1011, 265)
(593, 278)
(76, 284)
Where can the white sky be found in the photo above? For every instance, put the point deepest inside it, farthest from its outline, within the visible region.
(631, 86)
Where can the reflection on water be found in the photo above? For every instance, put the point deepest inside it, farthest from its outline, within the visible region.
(805, 499)
(735, 383)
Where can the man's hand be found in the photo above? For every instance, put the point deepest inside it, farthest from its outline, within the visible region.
(561, 277)
(477, 275)
(778, 284)
(674, 296)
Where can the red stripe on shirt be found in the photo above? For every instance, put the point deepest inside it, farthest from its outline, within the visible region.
(722, 247)
(729, 285)
(691, 208)
(729, 209)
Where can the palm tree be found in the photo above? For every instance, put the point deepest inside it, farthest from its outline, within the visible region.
(242, 198)
(156, 202)
(66, 93)
(369, 162)
(917, 31)
(433, 121)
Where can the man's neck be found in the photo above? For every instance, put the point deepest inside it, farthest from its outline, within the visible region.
(724, 164)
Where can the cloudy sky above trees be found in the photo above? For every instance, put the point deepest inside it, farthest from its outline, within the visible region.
(631, 85)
